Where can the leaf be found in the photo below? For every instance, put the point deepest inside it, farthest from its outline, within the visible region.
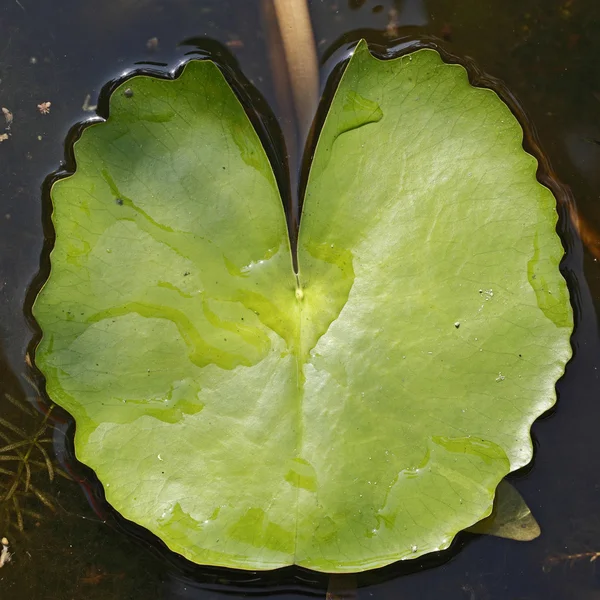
(18, 513)
(20, 405)
(360, 412)
(15, 445)
(511, 518)
(12, 427)
(47, 461)
(42, 498)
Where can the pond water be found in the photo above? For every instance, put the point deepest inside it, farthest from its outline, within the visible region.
(72, 545)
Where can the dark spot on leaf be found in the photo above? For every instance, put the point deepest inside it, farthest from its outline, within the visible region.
(186, 273)
(119, 201)
(128, 93)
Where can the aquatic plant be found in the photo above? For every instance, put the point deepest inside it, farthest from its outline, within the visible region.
(356, 411)
(23, 457)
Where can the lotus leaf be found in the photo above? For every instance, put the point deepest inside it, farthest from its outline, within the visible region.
(356, 412)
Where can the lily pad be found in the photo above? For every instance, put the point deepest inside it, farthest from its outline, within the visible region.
(353, 414)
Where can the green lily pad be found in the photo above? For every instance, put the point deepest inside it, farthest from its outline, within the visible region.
(360, 412)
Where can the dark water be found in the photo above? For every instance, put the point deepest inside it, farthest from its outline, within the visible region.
(546, 52)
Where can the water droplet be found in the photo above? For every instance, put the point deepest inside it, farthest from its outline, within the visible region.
(414, 548)
(457, 324)
(158, 456)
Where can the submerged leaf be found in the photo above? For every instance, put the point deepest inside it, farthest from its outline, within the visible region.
(357, 413)
(47, 461)
(43, 498)
(511, 518)
(12, 427)
(15, 445)
(20, 405)
(18, 513)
